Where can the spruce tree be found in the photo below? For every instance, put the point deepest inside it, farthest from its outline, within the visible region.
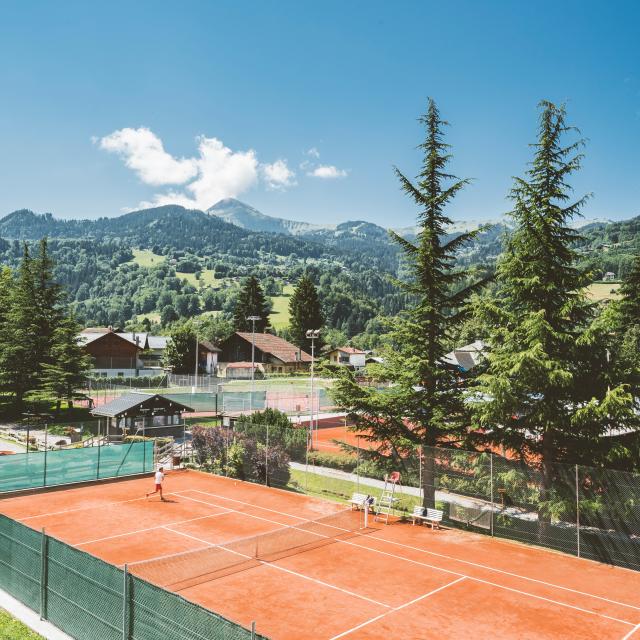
(19, 354)
(424, 406)
(629, 305)
(69, 365)
(251, 302)
(305, 313)
(548, 391)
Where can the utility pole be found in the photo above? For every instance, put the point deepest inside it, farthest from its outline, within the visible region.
(253, 320)
(313, 335)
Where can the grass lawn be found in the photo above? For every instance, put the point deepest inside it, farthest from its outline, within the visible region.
(12, 629)
(153, 316)
(340, 490)
(207, 278)
(599, 291)
(146, 258)
(203, 422)
(279, 317)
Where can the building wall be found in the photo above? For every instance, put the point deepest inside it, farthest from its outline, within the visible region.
(357, 360)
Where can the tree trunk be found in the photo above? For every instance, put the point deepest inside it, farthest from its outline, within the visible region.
(428, 481)
(544, 520)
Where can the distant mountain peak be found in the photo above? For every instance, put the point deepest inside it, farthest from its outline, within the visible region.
(244, 215)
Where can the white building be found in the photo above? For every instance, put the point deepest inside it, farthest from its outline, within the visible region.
(348, 357)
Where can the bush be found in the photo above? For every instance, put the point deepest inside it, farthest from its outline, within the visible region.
(341, 461)
(141, 382)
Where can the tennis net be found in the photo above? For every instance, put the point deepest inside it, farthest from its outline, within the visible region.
(187, 569)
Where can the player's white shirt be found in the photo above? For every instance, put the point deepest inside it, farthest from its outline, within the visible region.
(159, 477)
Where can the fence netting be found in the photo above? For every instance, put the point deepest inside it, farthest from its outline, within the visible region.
(591, 513)
(92, 600)
(34, 469)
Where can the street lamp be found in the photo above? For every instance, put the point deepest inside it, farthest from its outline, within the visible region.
(253, 320)
(313, 335)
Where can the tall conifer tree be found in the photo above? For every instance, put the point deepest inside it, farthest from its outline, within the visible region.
(251, 302)
(549, 393)
(305, 313)
(425, 405)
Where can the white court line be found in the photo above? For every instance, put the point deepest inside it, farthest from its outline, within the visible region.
(449, 571)
(636, 628)
(402, 606)
(95, 506)
(439, 555)
(158, 526)
(295, 573)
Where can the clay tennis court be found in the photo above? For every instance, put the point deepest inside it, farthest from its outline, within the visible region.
(385, 581)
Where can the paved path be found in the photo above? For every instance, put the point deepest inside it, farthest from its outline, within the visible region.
(8, 445)
(441, 496)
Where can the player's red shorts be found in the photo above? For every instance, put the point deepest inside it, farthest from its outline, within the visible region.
(158, 487)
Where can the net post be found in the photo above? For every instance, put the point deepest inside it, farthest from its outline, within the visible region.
(44, 547)
(125, 603)
(366, 514)
(577, 513)
(253, 630)
(491, 480)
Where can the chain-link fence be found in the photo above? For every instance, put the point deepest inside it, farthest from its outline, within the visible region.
(46, 468)
(92, 600)
(587, 512)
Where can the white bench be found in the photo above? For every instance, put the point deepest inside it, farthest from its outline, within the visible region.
(434, 516)
(358, 501)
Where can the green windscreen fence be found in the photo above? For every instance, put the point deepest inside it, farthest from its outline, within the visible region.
(65, 466)
(92, 600)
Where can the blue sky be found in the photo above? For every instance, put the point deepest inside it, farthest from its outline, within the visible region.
(301, 109)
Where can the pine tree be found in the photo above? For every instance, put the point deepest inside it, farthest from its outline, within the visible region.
(305, 313)
(251, 302)
(48, 304)
(19, 353)
(69, 364)
(425, 405)
(550, 392)
(629, 305)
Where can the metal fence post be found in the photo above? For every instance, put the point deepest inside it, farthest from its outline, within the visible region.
(99, 450)
(266, 460)
(46, 446)
(577, 512)
(125, 604)
(43, 575)
(253, 630)
(491, 480)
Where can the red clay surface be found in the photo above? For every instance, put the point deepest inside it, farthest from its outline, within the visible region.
(386, 581)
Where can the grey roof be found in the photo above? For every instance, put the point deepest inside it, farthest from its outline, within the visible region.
(158, 342)
(130, 401)
(467, 357)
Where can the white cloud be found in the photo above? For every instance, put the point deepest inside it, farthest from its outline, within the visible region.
(313, 152)
(327, 172)
(215, 173)
(277, 175)
(143, 152)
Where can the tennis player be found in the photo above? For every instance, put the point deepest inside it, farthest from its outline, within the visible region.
(159, 477)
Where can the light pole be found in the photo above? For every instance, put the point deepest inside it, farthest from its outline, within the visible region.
(313, 335)
(253, 320)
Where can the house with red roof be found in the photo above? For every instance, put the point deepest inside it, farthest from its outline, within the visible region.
(347, 357)
(272, 355)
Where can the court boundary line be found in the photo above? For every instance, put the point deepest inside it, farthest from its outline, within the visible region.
(402, 606)
(434, 553)
(295, 573)
(158, 526)
(96, 506)
(636, 628)
(449, 571)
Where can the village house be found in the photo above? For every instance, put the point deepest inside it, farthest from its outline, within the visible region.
(347, 357)
(272, 355)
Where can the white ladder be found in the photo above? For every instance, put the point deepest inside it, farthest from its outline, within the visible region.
(387, 498)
